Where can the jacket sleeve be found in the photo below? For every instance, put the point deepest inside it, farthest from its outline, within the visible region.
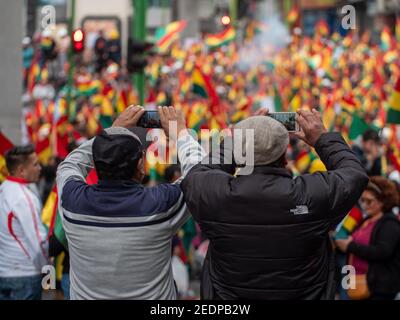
(345, 178)
(386, 243)
(190, 153)
(35, 240)
(214, 173)
(76, 166)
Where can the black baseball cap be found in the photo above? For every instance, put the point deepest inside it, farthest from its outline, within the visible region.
(116, 149)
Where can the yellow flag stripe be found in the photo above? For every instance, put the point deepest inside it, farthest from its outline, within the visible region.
(350, 223)
(395, 101)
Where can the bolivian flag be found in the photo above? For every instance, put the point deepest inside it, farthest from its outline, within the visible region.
(214, 41)
(5, 145)
(88, 88)
(168, 35)
(202, 85)
(197, 115)
(397, 29)
(302, 161)
(393, 114)
(349, 223)
(308, 162)
(293, 15)
(106, 113)
(199, 83)
(43, 145)
(386, 39)
(322, 28)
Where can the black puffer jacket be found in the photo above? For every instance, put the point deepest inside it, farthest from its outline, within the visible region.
(268, 232)
(383, 256)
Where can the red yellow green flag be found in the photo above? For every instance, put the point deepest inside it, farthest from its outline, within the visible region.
(349, 223)
(197, 115)
(322, 28)
(393, 114)
(397, 29)
(169, 34)
(386, 39)
(293, 15)
(214, 41)
(5, 145)
(201, 84)
(43, 144)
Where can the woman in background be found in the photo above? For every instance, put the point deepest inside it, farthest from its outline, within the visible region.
(374, 248)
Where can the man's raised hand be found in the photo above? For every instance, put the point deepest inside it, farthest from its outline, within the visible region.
(311, 126)
(129, 117)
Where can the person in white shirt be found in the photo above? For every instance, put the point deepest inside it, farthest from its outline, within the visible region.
(23, 237)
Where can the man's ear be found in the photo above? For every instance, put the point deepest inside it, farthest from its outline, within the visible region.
(18, 171)
(140, 165)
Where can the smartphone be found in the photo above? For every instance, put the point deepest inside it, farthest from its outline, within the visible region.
(150, 119)
(288, 119)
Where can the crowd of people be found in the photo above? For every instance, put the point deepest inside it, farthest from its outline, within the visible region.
(348, 79)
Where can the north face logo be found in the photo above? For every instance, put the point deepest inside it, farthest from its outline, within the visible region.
(300, 210)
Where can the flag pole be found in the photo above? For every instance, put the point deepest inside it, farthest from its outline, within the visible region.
(139, 33)
(71, 62)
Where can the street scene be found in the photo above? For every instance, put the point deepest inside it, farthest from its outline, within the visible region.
(200, 150)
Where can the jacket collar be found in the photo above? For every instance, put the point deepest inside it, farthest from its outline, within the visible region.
(17, 179)
(118, 183)
(389, 216)
(272, 171)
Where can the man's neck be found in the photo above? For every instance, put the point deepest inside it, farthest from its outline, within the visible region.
(16, 178)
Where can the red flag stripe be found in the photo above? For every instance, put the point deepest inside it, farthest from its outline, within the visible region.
(5, 144)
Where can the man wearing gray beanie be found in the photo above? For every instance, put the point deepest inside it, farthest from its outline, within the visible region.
(268, 231)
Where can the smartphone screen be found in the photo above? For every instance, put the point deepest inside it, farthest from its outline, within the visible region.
(288, 119)
(150, 119)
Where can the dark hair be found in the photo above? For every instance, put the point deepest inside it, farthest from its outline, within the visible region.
(385, 191)
(124, 171)
(371, 135)
(116, 156)
(18, 155)
(171, 171)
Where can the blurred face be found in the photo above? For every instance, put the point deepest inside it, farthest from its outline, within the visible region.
(369, 146)
(371, 204)
(30, 170)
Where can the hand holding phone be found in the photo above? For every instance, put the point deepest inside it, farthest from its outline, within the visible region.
(162, 118)
(168, 116)
(129, 117)
(288, 119)
(150, 119)
(311, 126)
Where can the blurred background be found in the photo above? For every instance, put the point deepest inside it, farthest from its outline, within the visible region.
(69, 67)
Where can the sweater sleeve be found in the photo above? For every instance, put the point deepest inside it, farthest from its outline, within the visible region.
(387, 240)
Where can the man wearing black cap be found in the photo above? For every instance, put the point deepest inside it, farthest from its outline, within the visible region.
(119, 232)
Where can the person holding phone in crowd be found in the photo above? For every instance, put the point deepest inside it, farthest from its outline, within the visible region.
(268, 231)
(119, 232)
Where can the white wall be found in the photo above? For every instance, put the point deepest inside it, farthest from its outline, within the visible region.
(121, 8)
(11, 28)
